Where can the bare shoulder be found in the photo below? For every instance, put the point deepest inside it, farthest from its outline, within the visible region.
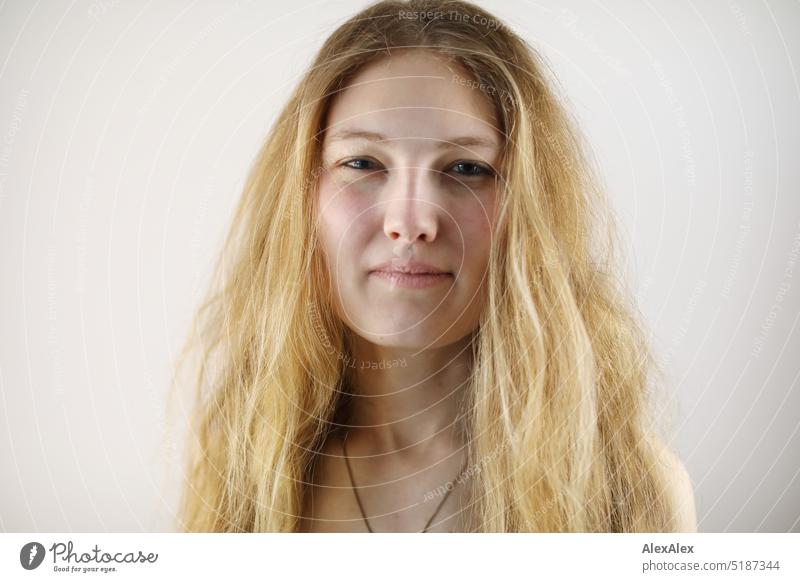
(681, 487)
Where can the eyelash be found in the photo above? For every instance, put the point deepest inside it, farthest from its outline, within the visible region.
(483, 170)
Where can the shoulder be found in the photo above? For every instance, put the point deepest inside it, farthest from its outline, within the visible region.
(680, 487)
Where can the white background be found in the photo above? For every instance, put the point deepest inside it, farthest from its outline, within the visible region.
(126, 130)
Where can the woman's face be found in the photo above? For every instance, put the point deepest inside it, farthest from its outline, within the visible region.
(407, 199)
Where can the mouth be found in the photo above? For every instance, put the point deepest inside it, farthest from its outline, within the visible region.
(412, 280)
(411, 275)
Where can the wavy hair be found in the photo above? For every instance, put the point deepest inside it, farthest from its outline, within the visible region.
(561, 434)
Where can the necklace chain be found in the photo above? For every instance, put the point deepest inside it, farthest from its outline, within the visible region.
(358, 498)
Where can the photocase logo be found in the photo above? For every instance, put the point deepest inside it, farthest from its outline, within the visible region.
(31, 555)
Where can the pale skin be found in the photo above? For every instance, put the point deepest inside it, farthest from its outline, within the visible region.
(423, 189)
(682, 490)
(408, 173)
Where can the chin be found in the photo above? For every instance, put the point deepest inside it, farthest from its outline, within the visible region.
(411, 337)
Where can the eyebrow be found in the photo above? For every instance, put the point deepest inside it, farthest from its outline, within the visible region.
(464, 141)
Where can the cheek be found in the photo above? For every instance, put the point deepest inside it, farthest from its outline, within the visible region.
(474, 222)
(344, 223)
(343, 215)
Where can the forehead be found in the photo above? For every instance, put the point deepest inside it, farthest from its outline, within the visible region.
(414, 94)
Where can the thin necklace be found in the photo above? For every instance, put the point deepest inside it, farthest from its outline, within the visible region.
(358, 499)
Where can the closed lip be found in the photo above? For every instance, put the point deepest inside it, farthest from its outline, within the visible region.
(409, 268)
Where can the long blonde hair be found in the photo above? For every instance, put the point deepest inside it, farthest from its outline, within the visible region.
(561, 437)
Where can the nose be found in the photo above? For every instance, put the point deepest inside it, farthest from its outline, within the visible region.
(409, 216)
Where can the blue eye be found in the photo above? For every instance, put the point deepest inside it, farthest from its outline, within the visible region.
(359, 164)
(471, 169)
(465, 169)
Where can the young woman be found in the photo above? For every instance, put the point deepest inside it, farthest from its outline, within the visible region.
(415, 324)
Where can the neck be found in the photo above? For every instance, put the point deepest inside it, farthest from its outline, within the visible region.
(406, 401)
